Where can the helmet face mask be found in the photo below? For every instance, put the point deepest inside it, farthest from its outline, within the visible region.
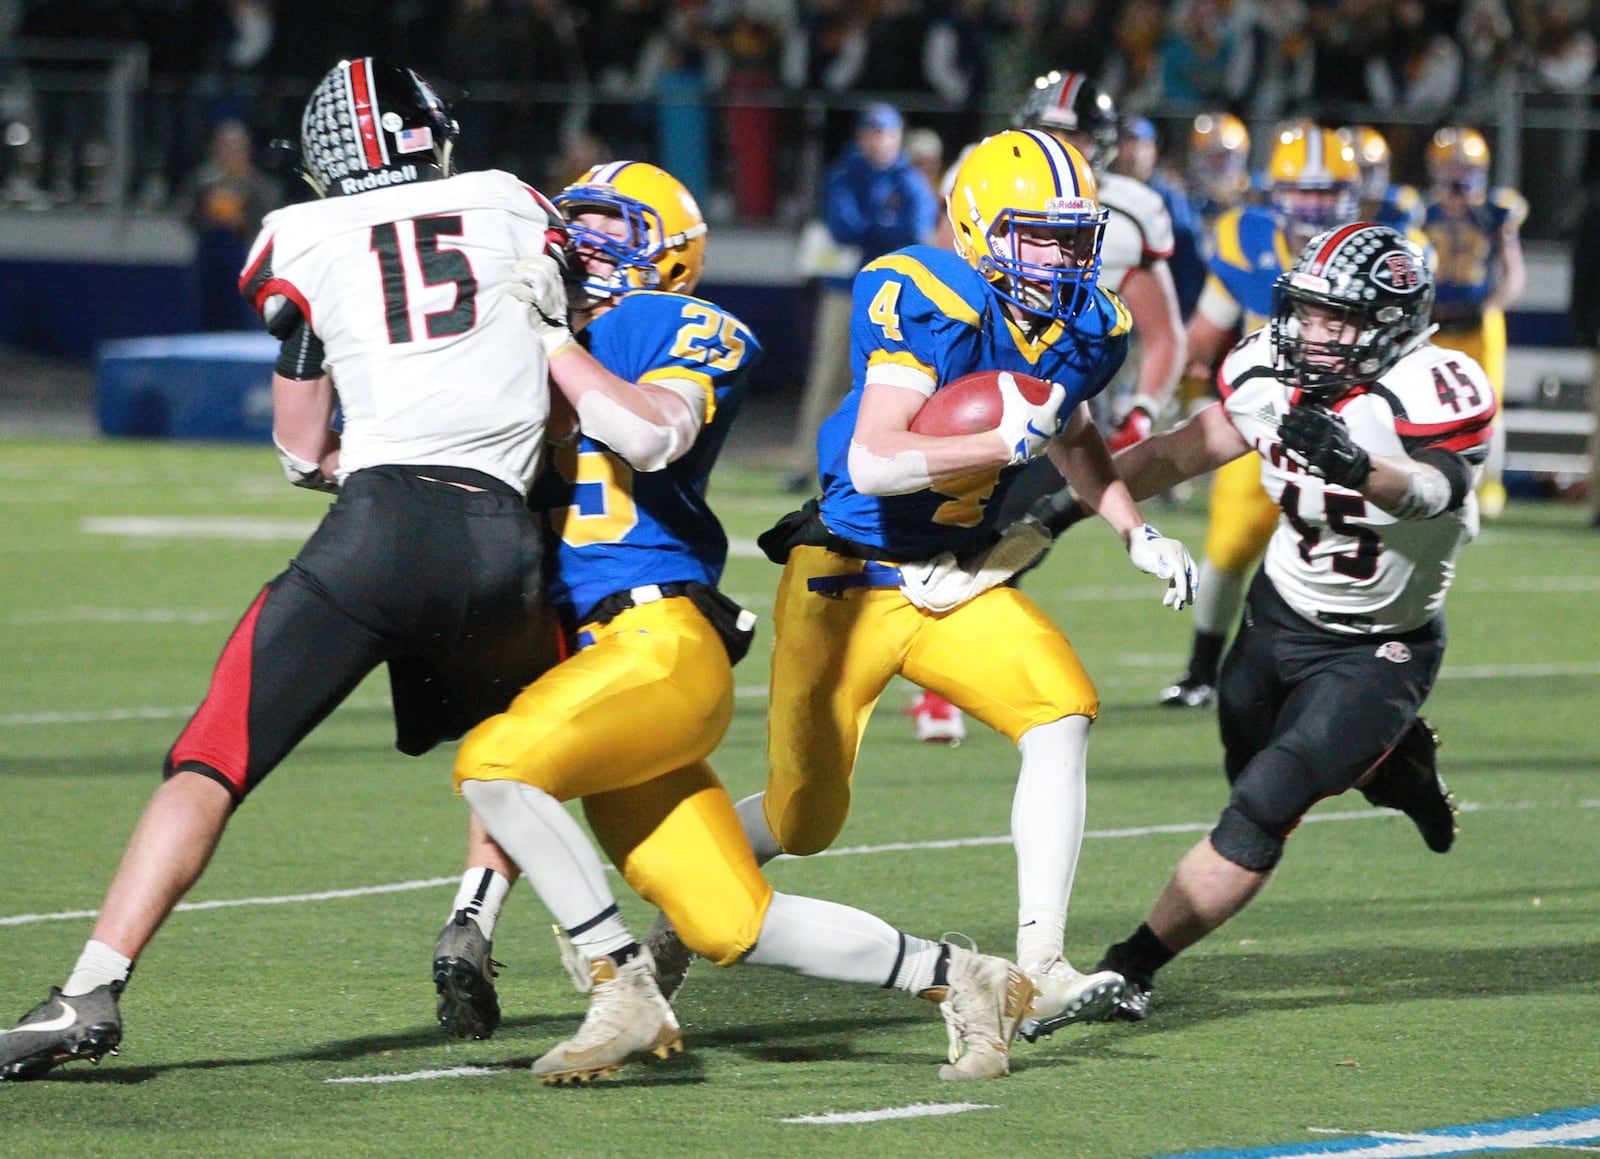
(1458, 163)
(655, 237)
(1070, 102)
(1356, 301)
(1219, 152)
(1314, 179)
(371, 124)
(1026, 215)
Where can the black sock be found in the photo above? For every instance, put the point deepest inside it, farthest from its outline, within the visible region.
(941, 968)
(1138, 958)
(625, 955)
(1205, 657)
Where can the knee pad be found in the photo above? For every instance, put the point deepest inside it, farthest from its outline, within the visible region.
(1245, 842)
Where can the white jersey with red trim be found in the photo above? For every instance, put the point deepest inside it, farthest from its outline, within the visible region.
(405, 287)
(1138, 232)
(1336, 558)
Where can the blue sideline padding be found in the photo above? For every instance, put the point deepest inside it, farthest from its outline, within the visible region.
(188, 386)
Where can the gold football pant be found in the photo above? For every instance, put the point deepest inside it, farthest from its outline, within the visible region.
(626, 724)
(1243, 516)
(998, 658)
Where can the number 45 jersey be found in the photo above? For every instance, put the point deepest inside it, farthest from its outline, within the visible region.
(405, 290)
(1336, 558)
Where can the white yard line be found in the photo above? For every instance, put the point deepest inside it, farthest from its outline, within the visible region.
(914, 1111)
(417, 1076)
(759, 691)
(845, 851)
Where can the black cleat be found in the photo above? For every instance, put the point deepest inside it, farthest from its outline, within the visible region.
(1408, 780)
(464, 973)
(1188, 693)
(62, 1029)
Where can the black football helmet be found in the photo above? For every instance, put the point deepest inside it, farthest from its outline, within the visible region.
(1070, 102)
(370, 124)
(1375, 292)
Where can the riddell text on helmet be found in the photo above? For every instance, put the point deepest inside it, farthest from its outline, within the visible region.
(378, 177)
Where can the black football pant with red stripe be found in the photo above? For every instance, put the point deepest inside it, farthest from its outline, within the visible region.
(442, 582)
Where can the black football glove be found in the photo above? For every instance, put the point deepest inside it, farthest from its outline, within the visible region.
(1319, 441)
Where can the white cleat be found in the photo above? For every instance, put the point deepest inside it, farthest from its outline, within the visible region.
(982, 1005)
(628, 1018)
(1067, 996)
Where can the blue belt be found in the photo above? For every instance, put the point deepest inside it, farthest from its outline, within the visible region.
(871, 575)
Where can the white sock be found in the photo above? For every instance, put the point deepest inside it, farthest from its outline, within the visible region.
(753, 819)
(482, 892)
(99, 965)
(549, 845)
(1041, 932)
(1218, 596)
(823, 939)
(605, 933)
(1047, 819)
(919, 965)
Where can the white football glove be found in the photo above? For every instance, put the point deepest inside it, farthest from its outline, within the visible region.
(943, 583)
(1154, 553)
(1026, 428)
(537, 283)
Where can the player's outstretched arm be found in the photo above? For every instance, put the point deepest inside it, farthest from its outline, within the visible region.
(1436, 481)
(648, 424)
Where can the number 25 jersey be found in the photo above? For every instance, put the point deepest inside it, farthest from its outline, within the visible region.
(619, 528)
(1336, 558)
(406, 290)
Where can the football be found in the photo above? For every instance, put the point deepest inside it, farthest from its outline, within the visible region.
(972, 403)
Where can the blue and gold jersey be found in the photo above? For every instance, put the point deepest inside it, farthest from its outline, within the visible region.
(1468, 246)
(1249, 250)
(617, 528)
(1400, 208)
(926, 309)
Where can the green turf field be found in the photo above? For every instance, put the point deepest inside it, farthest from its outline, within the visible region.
(1373, 988)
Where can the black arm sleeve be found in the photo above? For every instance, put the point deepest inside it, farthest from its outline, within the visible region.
(300, 356)
(1453, 467)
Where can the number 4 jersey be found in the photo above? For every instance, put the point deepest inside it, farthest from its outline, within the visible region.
(405, 292)
(1336, 558)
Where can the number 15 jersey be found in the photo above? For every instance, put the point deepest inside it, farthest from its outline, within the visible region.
(1336, 558)
(405, 288)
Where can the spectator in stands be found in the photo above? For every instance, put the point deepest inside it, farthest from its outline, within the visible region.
(1133, 65)
(955, 63)
(1584, 315)
(1203, 58)
(1344, 34)
(225, 204)
(682, 63)
(1416, 67)
(874, 201)
(823, 54)
(752, 38)
(1276, 36)
(1075, 38)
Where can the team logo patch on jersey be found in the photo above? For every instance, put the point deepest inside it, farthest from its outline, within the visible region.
(1393, 651)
